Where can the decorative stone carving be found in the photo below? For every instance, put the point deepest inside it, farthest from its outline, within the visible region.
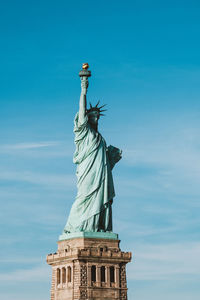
(123, 276)
(83, 275)
(123, 295)
(83, 294)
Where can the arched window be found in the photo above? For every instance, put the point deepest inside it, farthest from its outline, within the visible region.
(58, 276)
(63, 275)
(93, 273)
(112, 274)
(69, 274)
(103, 277)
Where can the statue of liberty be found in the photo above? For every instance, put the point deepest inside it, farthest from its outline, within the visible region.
(92, 209)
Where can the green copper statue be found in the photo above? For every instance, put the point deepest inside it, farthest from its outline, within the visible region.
(91, 211)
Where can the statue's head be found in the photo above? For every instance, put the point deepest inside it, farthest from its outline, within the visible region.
(94, 113)
(93, 117)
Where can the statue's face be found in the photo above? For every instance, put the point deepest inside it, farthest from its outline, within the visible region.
(93, 117)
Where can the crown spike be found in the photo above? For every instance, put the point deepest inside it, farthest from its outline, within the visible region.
(102, 106)
(97, 103)
(96, 108)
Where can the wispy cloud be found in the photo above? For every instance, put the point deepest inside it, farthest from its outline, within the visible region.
(165, 261)
(39, 149)
(174, 225)
(178, 149)
(30, 145)
(168, 163)
(142, 230)
(35, 274)
(46, 179)
(20, 260)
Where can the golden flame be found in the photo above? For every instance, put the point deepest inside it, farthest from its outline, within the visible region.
(85, 66)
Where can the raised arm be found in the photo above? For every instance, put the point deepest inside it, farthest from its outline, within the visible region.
(83, 103)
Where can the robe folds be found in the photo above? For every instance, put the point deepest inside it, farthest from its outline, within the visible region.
(91, 210)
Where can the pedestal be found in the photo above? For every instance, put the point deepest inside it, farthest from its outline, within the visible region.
(89, 268)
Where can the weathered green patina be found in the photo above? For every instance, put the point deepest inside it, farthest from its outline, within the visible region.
(92, 209)
(93, 235)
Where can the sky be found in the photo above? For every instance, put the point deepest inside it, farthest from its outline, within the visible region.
(145, 62)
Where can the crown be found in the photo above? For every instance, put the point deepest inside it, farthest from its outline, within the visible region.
(96, 108)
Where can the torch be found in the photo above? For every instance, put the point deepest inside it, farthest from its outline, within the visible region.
(85, 73)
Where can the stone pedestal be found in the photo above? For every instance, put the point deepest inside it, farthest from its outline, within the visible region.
(89, 269)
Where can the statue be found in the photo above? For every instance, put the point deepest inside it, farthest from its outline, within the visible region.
(92, 209)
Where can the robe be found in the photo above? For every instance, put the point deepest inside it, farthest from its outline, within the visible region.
(91, 210)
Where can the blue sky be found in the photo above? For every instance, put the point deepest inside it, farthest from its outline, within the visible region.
(145, 63)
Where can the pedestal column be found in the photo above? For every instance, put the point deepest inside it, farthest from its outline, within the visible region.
(107, 276)
(98, 283)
